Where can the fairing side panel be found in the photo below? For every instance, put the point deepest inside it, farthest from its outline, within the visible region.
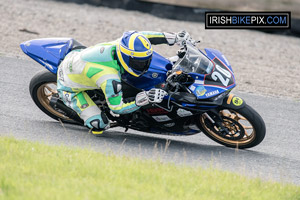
(155, 75)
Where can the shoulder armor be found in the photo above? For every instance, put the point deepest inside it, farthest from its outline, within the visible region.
(99, 53)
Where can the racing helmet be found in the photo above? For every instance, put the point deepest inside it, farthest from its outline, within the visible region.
(134, 52)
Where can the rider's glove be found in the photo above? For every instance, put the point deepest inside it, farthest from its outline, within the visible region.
(182, 37)
(152, 96)
(156, 95)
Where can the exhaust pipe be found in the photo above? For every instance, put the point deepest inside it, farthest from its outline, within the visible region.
(56, 103)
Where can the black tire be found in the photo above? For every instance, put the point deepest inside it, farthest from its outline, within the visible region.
(253, 118)
(41, 79)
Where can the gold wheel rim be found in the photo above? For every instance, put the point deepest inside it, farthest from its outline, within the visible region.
(250, 133)
(44, 94)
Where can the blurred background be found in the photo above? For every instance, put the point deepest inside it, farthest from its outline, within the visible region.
(193, 10)
(259, 59)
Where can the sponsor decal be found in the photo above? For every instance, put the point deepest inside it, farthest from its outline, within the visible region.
(183, 113)
(70, 66)
(212, 93)
(192, 87)
(237, 101)
(200, 90)
(161, 118)
(60, 75)
(156, 111)
(199, 82)
(220, 96)
(154, 75)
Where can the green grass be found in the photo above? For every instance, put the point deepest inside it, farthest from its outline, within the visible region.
(37, 171)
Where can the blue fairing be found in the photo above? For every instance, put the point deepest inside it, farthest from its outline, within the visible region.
(156, 73)
(49, 52)
(212, 53)
(204, 88)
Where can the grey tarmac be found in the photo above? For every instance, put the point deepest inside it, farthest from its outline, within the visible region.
(276, 158)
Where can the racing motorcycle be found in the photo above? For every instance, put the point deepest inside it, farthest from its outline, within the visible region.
(198, 86)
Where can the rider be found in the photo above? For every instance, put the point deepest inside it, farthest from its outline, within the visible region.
(101, 66)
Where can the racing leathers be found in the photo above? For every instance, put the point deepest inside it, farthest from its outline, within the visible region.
(98, 67)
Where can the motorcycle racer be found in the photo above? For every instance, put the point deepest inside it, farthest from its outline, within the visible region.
(101, 66)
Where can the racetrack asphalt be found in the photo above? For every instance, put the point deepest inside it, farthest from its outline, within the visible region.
(276, 158)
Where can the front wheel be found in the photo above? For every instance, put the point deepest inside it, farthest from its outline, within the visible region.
(244, 127)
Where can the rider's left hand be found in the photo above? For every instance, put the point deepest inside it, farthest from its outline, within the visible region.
(156, 95)
(182, 37)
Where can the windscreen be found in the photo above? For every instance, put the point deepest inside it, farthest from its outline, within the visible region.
(194, 61)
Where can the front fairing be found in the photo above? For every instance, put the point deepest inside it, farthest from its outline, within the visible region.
(213, 53)
(216, 80)
(220, 80)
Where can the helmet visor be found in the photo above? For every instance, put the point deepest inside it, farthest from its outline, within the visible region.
(139, 65)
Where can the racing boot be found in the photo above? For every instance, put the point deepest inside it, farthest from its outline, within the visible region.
(99, 131)
(98, 124)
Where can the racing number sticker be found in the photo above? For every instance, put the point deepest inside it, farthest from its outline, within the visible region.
(216, 74)
(221, 76)
(237, 101)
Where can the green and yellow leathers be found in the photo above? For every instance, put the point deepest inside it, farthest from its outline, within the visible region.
(93, 68)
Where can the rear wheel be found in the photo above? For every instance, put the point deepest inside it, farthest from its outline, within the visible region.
(244, 127)
(42, 87)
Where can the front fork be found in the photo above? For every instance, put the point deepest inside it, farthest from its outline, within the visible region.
(216, 120)
(229, 102)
